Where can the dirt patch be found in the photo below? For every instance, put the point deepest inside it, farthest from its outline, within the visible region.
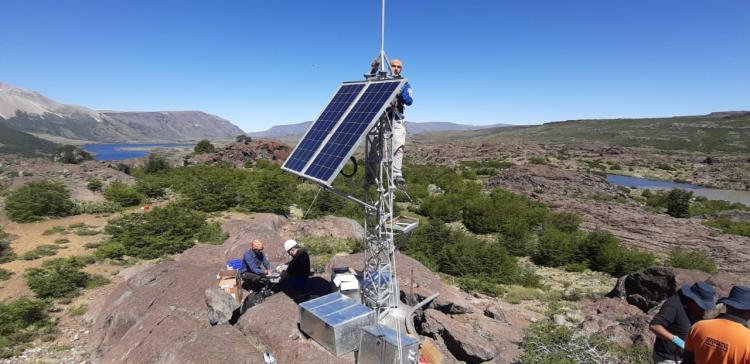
(29, 236)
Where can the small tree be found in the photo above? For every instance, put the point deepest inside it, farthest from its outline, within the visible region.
(204, 146)
(691, 259)
(94, 184)
(36, 200)
(56, 278)
(242, 138)
(678, 203)
(122, 194)
(155, 163)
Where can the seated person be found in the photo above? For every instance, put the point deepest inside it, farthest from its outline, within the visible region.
(298, 269)
(255, 267)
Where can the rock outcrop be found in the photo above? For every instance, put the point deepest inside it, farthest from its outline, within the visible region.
(649, 288)
(159, 314)
(238, 154)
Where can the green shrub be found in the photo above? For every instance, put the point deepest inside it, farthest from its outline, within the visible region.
(95, 281)
(151, 187)
(5, 274)
(54, 230)
(460, 255)
(40, 251)
(557, 248)
(480, 285)
(94, 184)
(155, 163)
(204, 146)
(86, 232)
(517, 236)
(78, 310)
(565, 221)
(61, 241)
(92, 245)
(21, 321)
(56, 278)
(269, 190)
(163, 230)
(77, 225)
(704, 206)
(90, 207)
(730, 227)
(6, 253)
(695, 259)
(446, 208)
(502, 212)
(39, 199)
(677, 203)
(538, 160)
(618, 260)
(329, 246)
(598, 250)
(122, 194)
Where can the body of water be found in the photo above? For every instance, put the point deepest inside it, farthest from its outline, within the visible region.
(116, 152)
(709, 193)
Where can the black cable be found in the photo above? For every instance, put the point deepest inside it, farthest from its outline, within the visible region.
(354, 161)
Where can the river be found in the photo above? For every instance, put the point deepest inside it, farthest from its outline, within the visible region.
(709, 193)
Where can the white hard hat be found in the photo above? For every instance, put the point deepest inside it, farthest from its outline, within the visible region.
(289, 244)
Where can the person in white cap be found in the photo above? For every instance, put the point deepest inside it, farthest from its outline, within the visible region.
(298, 269)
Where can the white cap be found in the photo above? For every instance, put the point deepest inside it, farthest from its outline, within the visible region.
(289, 244)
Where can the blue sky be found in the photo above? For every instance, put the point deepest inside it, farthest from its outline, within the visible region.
(260, 64)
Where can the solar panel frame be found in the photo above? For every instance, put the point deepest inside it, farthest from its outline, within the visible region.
(351, 149)
(287, 165)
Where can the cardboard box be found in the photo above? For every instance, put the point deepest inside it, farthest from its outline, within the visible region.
(236, 292)
(229, 281)
(229, 273)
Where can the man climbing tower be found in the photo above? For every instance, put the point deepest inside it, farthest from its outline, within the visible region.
(399, 123)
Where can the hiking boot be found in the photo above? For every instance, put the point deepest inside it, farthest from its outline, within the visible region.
(399, 181)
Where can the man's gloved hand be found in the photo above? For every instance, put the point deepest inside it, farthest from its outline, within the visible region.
(281, 268)
(679, 342)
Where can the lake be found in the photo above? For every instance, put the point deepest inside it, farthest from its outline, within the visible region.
(116, 152)
(709, 193)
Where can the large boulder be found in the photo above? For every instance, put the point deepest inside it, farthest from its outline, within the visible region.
(463, 340)
(647, 289)
(622, 323)
(221, 306)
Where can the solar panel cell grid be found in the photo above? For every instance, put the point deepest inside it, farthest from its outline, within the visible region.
(351, 130)
(322, 126)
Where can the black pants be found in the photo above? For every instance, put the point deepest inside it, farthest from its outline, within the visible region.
(252, 281)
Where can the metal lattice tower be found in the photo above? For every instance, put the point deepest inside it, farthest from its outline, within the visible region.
(380, 286)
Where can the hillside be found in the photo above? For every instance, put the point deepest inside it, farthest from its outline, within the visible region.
(15, 142)
(414, 128)
(31, 112)
(715, 132)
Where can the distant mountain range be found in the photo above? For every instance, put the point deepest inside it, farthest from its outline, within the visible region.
(415, 128)
(31, 112)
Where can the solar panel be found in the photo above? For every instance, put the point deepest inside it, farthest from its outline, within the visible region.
(334, 136)
(322, 126)
(343, 141)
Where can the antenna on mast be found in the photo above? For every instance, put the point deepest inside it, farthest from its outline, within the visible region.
(381, 68)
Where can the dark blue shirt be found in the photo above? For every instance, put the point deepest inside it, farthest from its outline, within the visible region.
(254, 262)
